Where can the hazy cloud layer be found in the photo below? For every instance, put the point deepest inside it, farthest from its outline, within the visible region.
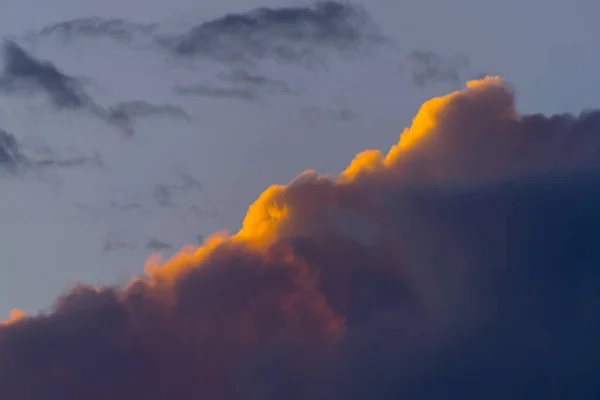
(427, 66)
(463, 264)
(290, 34)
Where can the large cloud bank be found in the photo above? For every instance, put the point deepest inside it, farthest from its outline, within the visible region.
(463, 264)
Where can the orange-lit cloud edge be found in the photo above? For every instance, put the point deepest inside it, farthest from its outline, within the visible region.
(269, 213)
(267, 218)
(468, 250)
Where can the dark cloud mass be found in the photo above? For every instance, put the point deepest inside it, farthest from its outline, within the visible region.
(24, 71)
(289, 34)
(464, 264)
(429, 67)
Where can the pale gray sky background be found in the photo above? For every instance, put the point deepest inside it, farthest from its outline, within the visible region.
(92, 223)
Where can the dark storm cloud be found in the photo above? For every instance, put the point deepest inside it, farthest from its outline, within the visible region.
(462, 265)
(290, 34)
(429, 67)
(94, 27)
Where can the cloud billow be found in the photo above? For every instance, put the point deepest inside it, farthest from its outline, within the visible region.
(462, 264)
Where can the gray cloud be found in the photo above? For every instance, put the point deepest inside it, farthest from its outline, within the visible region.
(157, 245)
(289, 34)
(141, 108)
(11, 157)
(13, 160)
(245, 94)
(93, 27)
(244, 78)
(428, 67)
(95, 161)
(24, 71)
(114, 241)
(318, 114)
(125, 113)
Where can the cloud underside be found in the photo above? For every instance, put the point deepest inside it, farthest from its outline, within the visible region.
(462, 264)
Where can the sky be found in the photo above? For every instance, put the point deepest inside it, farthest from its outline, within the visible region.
(233, 158)
(136, 137)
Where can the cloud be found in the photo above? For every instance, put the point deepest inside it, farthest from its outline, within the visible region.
(462, 264)
(157, 245)
(125, 113)
(22, 70)
(13, 160)
(83, 161)
(315, 114)
(218, 92)
(11, 157)
(93, 27)
(429, 67)
(245, 79)
(289, 34)
(114, 241)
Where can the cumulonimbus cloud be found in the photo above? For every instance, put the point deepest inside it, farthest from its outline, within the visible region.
(462, 264)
